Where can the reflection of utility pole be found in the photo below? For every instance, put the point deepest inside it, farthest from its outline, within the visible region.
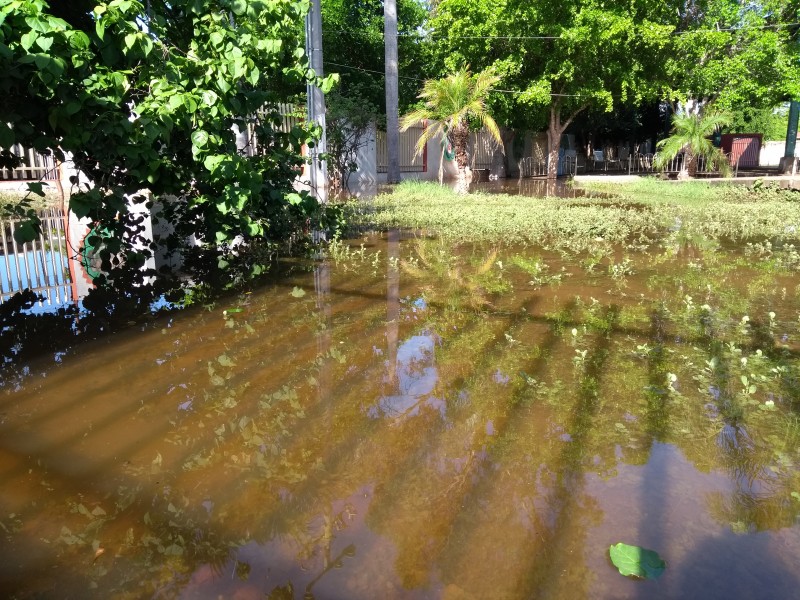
(393, 301)
(392, 94)
(322, 285)
(316, 102)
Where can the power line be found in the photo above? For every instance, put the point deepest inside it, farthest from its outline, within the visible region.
(418, 79)
(558, 37)
(434, 35)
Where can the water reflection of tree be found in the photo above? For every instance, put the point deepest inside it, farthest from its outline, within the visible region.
(434, 510)
(489, 495)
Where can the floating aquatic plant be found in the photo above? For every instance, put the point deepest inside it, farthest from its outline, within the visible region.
(635, 561)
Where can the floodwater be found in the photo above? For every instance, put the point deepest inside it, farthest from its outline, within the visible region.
(410, 420)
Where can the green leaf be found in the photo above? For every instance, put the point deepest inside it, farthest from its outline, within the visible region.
(239, 7)
(41, 60)
(216, 38)
(328, 82)
(225, 360)
(36, 188)
(71, 108)
(175, 102)
(78, 39)
(253, 75)
(209, 97)
(6, 136)
(200, 138)
(27, 40)
(298, 292)
(636, 561)
(44, 43)
(25, 232)
(129, 42)
(82, 204)
(213, 161)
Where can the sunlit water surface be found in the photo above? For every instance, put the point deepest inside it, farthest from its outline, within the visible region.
(423, 422)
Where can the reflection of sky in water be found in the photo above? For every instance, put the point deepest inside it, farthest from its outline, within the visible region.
(416, 378)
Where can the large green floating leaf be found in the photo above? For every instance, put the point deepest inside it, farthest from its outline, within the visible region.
(637, 561)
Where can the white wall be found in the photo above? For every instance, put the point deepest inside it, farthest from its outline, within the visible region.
(368, 178)
(772, 152)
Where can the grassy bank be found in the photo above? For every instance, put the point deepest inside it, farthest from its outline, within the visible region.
(633, 212)
(696, 193)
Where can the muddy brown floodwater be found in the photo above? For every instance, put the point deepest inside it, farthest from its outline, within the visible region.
(413, 420)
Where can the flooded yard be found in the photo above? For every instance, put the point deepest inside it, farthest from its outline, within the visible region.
(411, 419)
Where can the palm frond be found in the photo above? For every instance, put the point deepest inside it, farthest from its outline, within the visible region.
(690, 133)
(451, 102)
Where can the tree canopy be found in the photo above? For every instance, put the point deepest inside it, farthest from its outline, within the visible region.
(353, 46)
(555, 59)
(148, 96)
(737, 55)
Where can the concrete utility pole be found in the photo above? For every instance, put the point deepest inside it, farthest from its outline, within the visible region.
(392, 110)
(791, 137)
(316, 102)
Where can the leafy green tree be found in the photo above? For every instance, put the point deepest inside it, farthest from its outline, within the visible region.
(691, 135)
(740, 56)
(453, 103)
(148, 97)
(348, 122)
(353, 47)
(771, 122)
(557, 59)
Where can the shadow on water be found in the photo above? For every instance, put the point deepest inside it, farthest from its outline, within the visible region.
(388, 433)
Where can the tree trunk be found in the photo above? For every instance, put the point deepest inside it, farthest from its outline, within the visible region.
(554, 131)
(460, 138)
(690, 164)
(462, 181)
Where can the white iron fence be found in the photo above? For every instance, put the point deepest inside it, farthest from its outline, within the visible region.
(531, 166)
(34, 167)
(41, 265)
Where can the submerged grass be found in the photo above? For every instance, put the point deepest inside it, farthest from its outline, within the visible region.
(638, 212)
(503, 218)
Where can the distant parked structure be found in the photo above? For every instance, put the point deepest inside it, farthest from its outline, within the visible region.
(742, 148)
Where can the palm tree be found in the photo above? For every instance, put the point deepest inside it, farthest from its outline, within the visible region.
(690, 133)
(452, 102)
